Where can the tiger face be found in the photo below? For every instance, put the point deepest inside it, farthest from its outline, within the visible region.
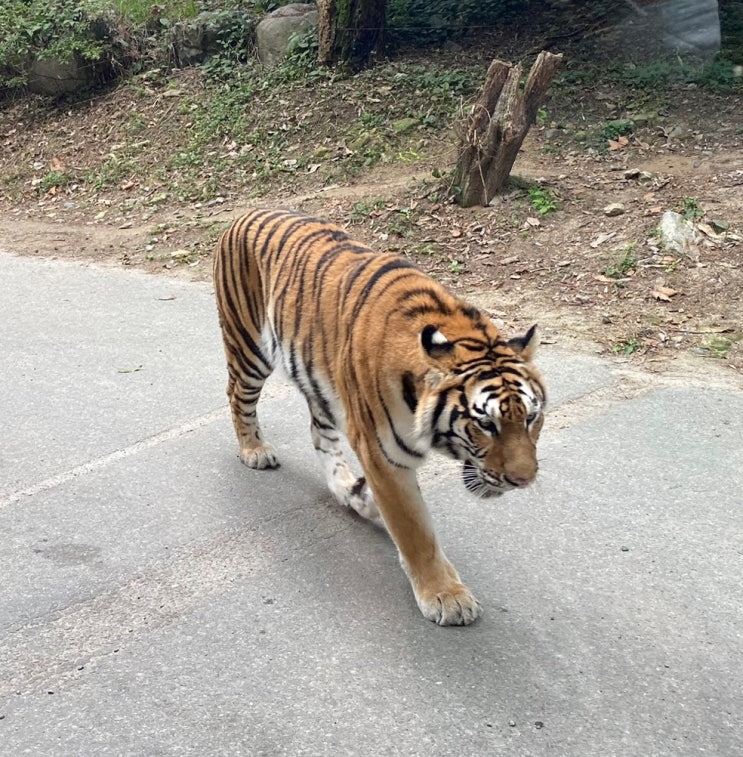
(489, 416)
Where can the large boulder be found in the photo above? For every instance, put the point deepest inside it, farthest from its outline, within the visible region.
(54, 78)
(274, 32)
(195, 41)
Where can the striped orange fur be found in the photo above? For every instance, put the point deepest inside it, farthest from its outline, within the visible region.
(386, 355)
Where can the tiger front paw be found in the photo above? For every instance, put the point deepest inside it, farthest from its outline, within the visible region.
(263, 456)
(455, 605)
(360, 498)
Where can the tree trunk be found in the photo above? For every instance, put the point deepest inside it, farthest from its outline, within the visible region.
(497, 125)
(349, 31)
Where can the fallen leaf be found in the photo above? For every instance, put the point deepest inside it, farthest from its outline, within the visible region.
(618, 144)
(57, 164)
(664, 293)
(455, 233)
(707, 230)
(601, 238)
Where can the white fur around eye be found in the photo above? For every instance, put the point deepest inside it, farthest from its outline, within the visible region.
(438, 338)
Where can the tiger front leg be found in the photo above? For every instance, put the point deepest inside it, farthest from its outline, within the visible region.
(254, 451)
(439, 592)
(349, 490)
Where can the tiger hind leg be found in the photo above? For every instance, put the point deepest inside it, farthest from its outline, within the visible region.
(243, 394)
(350, 490)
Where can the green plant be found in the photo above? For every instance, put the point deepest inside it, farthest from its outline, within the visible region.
(52, 181)
(135, 123)
(409, 155)
(627, 346)
(661, 72)
(691, 209)
(371, 120)
(401, 221)
(456, 266)
(142, 11)
(61, 29)
(112, 171)
(718, 346)
(542, 199)
(363, 209)
(618, 128)
(624, 265)
(426, 21)
(233, 34)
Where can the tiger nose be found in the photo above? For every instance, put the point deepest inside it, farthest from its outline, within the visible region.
(519, 481)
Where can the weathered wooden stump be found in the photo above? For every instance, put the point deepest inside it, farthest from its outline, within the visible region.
(497, 125)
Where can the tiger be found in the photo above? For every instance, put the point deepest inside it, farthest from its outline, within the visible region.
(388, 357)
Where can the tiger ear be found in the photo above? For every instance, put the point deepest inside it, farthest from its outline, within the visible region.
(525, 346)
(434, 342)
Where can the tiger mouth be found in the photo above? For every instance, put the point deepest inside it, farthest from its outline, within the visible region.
(475, 485)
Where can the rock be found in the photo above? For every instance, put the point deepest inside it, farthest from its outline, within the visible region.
(403, 125)
(55, 77)
(274, 32)
(614, 209)
(645, 118)
(678, 235)
(642, 176)
(195, 41)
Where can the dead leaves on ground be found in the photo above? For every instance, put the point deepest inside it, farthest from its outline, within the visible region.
(664, 293)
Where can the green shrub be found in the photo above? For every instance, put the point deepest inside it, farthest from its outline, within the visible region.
(426, 21)
(61, 29)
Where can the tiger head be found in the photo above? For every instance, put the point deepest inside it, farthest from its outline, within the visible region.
(485, 406)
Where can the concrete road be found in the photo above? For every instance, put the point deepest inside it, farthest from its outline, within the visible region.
(159, 598)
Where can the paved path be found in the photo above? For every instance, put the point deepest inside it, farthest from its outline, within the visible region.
(159, 598)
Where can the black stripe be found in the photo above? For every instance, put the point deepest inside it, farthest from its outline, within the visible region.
(389, 267)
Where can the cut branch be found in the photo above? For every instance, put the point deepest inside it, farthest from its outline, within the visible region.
(497, 125)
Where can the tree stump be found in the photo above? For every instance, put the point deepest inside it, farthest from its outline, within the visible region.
(497, 125)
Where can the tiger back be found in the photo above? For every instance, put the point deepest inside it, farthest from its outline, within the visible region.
(387, 356)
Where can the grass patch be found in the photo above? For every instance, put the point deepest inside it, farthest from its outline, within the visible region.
(666, 71)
